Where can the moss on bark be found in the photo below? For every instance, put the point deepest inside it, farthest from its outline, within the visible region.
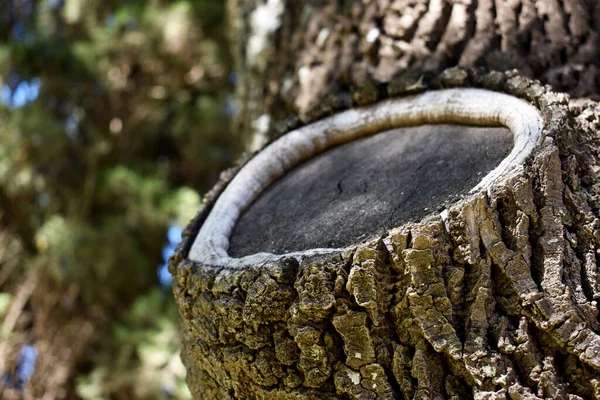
(496, 299)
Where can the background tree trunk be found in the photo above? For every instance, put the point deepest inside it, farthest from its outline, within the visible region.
(302, 58)
(496, 300)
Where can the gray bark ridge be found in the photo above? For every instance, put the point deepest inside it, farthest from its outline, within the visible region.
(329, 54)
(497, 299)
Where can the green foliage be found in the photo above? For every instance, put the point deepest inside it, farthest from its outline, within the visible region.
(130, 123)
(140, 356)
(5, 299)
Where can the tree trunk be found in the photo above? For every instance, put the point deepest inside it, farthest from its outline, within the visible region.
(304, 58)
(486, 294)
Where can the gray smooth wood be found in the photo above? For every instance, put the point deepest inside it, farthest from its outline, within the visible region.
(366, 187)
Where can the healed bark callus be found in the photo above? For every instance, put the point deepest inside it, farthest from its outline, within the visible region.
(495, 297)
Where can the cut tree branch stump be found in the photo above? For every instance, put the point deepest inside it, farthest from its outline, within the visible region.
(324, 268)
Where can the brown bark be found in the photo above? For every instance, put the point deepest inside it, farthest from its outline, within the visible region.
(498, 300)
(322, 57)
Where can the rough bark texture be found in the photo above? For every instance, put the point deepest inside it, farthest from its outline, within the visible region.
(496, 300)
(499, 300)
(326, 55)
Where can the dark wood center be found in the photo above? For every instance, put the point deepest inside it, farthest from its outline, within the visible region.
(364, 188)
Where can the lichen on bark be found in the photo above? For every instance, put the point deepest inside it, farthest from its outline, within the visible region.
(495, 298)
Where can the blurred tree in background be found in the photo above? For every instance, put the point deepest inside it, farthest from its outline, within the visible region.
(113, 116)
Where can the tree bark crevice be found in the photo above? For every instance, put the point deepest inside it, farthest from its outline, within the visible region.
(487, 300)
(496, 297)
